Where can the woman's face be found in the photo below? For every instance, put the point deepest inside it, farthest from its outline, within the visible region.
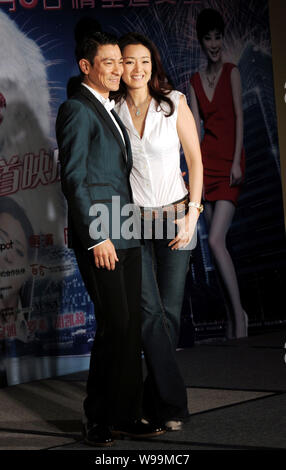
(212, 45)
(137, 66)
(13, 256)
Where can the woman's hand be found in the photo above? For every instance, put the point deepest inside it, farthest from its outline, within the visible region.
(235, 175)
(187, 226)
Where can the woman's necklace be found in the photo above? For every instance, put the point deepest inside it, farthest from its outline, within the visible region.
(137, 111)
(211, 81)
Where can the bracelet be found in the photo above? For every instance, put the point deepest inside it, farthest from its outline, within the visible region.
(198, 206)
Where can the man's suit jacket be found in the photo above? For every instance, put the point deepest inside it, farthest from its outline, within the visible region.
(95, 165)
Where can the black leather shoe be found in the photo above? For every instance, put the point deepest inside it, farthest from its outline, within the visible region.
(138, 429)
(97, 435)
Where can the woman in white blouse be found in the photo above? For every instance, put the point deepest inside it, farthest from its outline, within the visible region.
(159, 121)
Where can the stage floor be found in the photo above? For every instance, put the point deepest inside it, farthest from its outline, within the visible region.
(236, 394)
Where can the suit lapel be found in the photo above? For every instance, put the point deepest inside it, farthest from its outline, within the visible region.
(126, 138)
(91, 101)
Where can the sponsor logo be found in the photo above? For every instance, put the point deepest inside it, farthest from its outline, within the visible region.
(6, 246)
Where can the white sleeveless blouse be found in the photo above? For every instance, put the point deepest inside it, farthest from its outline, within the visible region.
(156, 178)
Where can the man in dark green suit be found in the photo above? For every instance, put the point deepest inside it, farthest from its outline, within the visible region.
(96, 161)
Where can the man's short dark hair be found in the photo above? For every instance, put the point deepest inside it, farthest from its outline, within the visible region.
(87, 48)
(86, 26)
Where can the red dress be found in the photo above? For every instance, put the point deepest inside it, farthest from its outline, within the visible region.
(218, 144)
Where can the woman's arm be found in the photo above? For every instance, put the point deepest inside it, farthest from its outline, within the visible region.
(188, 136)
(236, 173)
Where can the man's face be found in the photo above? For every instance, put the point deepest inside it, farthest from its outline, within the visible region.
(104, 75)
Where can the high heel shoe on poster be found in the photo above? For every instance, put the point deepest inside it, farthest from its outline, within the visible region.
(246, 322)
(231, 331)
(244, 332)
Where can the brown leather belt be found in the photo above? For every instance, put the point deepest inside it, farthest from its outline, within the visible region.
(179, 209)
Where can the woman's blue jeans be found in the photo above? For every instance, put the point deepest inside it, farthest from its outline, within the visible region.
(163, 282)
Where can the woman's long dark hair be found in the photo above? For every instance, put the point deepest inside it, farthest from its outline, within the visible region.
(159, 84)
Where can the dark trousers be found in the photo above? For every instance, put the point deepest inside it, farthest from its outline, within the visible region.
(114, 386)
(163, 282)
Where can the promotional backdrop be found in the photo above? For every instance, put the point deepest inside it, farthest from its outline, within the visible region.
(46, 317)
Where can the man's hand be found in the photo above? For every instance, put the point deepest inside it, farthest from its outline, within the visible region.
(105, 255)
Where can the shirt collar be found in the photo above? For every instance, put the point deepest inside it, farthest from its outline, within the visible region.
(107, 103)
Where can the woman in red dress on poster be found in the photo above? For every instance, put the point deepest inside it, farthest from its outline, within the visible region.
(216, 99)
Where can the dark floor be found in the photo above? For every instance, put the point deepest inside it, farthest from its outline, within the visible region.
(236, 391)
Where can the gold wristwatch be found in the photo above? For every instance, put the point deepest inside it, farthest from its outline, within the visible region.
(198, 206)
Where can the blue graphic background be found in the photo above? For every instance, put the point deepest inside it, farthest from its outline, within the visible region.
(256, 239)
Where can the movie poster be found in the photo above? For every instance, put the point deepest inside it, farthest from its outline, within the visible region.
(47, 324)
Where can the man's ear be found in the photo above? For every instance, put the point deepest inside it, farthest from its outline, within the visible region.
(84, 66)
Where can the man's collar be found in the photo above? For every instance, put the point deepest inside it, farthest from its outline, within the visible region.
(109, 105)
